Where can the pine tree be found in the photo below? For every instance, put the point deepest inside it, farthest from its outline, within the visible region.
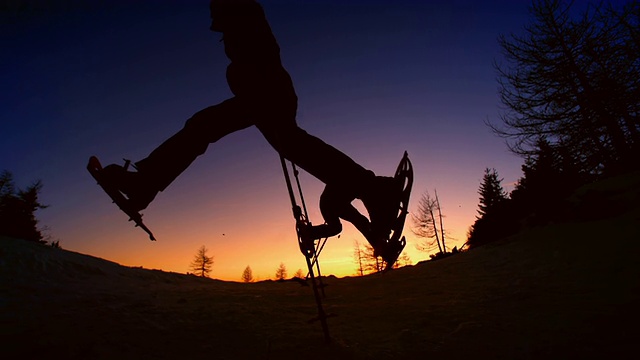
(247, 275)
(495, 220)
(202, 264)
(281, 272)
(491, 192)
(18, 208)
(299, 274)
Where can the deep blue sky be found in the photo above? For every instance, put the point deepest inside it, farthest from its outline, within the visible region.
(374, 78)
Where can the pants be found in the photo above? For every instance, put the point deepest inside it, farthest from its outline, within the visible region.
(265, 98)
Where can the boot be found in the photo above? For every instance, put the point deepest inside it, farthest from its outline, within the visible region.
(132, 184)
(381, 200)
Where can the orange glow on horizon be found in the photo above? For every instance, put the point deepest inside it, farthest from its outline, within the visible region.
(234, 249)
(242, 213)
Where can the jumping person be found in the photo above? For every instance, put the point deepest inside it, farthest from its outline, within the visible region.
(264, 97)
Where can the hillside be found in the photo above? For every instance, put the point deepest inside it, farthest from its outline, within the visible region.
(559, 291)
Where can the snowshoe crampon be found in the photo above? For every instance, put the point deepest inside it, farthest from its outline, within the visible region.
(95, 169)
(392, 247)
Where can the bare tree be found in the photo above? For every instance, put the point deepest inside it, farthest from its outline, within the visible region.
(403, 260)
(358, 255)
(366, 260)
(428, 224)
(440, 217)
(281, 272)
(247, 275)
(574, 81)
(374, 263)
(202, 264)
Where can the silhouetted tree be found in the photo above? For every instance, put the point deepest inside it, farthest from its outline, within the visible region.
(550, 175)
(403, 260)
(7, 186)
(491, 192)
(373, 263)
(495, 220)
(574, 82)
(281, 272)
(299, 274)
(17, 209)
(366, 260)
(247, 275)
(428, 224)
(358, 255)
(202, 264)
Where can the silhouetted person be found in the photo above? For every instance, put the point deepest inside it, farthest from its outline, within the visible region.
(264, 97)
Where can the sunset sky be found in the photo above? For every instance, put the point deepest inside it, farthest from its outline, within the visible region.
(374, 78)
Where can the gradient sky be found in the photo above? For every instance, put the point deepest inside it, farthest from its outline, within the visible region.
(374, 78)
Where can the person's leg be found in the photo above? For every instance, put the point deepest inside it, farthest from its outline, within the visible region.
(345, 181)
(257, 76)
(207, 126)
(173, 156)
(335, 204)
(326, 163)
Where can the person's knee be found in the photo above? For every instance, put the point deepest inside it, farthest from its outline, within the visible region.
(200, 126)
(201, 118)
(223, 118)
(194, 122)
(334, 202)
(283, 136)
(334, 226)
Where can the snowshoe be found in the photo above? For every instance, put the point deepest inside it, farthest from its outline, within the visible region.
(391, 248)
(95, 169)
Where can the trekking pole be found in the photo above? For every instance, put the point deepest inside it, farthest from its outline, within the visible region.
(308, 251)
(295, 174)
(318, 248)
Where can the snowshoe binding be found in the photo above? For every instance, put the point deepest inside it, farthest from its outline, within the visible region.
(96, 170)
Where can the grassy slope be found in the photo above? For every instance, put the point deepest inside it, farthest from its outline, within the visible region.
(559, 291)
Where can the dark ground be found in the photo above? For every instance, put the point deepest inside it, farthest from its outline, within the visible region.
(559, 291)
